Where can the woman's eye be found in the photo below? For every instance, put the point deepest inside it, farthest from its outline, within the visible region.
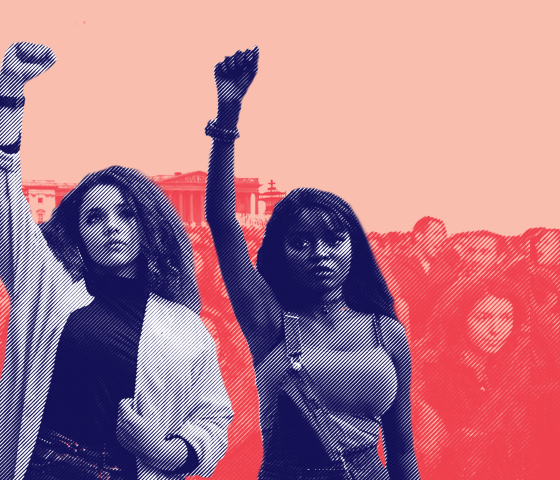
(93, 218)
(127, 213)
(335, 241)
(300, 243)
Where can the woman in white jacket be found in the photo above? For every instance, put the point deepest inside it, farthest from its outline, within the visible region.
(109, 372)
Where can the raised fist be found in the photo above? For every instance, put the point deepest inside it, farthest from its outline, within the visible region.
(24, 61)
(235, 74)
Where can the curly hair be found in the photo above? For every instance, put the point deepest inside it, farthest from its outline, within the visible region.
(164, 245)
(365, 288)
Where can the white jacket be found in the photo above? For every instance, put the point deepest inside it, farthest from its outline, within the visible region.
(178, 380)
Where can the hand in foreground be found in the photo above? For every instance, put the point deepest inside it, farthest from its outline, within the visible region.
(24, 61)
(235, 74)
(145, 438)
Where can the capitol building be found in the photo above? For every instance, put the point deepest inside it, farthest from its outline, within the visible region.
(184, 190)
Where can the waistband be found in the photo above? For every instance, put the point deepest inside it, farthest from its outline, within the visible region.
(52, 440)
(334, 470)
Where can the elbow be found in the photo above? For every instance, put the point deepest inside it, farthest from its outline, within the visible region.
(209, 437)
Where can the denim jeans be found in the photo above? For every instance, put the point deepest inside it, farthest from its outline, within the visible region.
(365, 466)
(57, 457)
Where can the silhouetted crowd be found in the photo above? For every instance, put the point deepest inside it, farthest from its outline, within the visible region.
(482, 315)
(483, 321)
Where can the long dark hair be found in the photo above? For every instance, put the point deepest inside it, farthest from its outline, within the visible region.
(365, 289)
(448, 323)
(166, 252)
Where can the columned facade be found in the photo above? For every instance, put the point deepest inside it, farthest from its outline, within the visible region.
(184, 190)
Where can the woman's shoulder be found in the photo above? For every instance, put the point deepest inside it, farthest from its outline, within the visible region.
(391, 327)
(77, 296)
(394, 337)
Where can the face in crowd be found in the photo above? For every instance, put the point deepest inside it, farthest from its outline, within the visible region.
(430, 239)
(490, 323)
(110, 230)
(318, 252)
(547, 249)
(478, 254)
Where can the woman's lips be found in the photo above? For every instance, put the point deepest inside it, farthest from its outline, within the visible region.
(322, 271)
(116, 244)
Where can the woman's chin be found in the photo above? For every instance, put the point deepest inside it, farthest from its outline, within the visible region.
(491, 348)
(118, 268)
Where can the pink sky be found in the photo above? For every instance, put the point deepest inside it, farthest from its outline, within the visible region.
(403, 108)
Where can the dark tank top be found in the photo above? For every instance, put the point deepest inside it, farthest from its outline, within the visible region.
(356, 386)
(95, 366)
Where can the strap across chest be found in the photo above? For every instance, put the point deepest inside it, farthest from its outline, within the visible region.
(294, 348)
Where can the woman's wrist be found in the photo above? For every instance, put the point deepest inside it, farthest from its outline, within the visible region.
(11, 86)
(228, 114)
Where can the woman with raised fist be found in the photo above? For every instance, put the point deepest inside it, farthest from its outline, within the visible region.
(109, 372)
(331, 360)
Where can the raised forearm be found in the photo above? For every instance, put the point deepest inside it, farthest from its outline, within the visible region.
(10, 118)
(233, 77)
(220, 186)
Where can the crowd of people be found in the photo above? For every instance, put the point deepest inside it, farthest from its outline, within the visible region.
(482, 316)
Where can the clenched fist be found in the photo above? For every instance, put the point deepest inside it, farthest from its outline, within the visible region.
(235, 74)
(24, 61)
(233, 78)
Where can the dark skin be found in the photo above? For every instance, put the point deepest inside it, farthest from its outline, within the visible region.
(318, 258)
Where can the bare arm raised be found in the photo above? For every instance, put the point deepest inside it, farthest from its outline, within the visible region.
(22, 62)
(256, 308)
(22, 247)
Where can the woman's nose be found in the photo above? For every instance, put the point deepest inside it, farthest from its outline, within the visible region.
(321, 249)
(495, 329)
(112, 224)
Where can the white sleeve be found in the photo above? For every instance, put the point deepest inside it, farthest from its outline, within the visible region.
(26, 261)
(209, 414)
(179, 385)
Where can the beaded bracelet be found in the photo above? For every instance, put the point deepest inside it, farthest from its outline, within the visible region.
(221, 133)
(12, 102)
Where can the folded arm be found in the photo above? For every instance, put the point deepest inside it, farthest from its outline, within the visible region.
(178, 422)
(209, 414)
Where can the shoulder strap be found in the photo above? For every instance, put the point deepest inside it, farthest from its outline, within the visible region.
(293, 339)
(379, 338)
(377, 329)
(300, 389)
